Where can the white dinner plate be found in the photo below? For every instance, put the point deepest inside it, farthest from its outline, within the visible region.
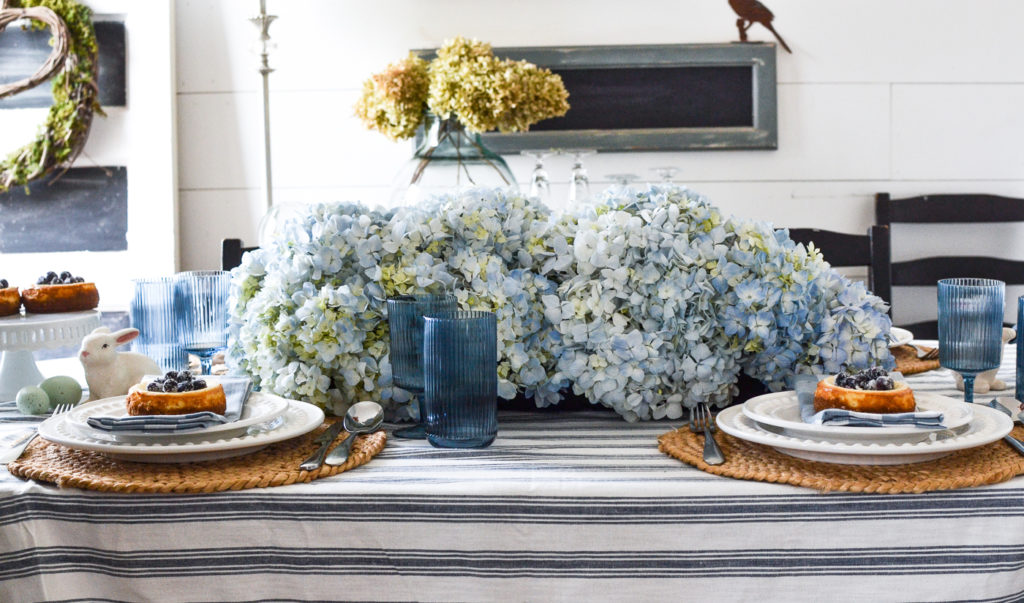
(987, 426)
(898, 337)
(259, 408)
(782, 410)
(298, 418)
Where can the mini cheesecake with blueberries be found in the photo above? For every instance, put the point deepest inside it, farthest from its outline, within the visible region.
(176, 393)
(10, 299)
(871, 390)
(62, 292)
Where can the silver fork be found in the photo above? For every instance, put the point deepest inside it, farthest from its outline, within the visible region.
(923, 354)
(18, 447)
(700, 419)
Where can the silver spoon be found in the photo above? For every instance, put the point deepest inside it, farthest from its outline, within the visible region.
(362, 417)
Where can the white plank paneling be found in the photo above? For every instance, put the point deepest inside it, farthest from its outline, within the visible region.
(965, 131)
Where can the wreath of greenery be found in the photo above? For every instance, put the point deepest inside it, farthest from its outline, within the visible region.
(75, 99)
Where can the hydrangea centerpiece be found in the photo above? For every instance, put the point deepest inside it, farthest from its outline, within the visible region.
(646, 302)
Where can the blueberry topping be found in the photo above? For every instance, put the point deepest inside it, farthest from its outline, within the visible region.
(64, 278)
(4, 284)
(873, 379)
(175, 381)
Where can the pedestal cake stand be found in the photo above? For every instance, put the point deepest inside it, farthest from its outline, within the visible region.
(22, 334)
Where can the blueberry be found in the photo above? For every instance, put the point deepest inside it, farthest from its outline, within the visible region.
(198, 384)
(184, 386)
(154, 387)
(884, 383)
(78, 279)
(186, 374)
(65, 276)
(3, 283)
(170, 386)
(51, 276)
(172, 375)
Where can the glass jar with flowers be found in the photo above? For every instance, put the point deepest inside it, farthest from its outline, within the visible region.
(455, 97)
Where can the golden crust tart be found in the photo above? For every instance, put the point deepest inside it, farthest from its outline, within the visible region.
(830, 395)
(10, 301)
(143, 402)
(70, 297)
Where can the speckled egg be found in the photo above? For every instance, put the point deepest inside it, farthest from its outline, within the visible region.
(32, 400)
(62, 390)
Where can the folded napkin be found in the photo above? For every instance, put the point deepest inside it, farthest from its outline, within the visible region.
(806, 384)
(236, 392)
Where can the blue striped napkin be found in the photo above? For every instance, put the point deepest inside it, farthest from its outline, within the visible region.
(806, 384)
(236, 391)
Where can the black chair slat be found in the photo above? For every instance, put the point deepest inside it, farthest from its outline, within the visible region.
(928, 271)
(948, 208)
(928, 329)
(231, 251)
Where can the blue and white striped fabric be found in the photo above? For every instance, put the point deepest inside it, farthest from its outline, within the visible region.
(562, 507)
(839, 416)
(236, 393)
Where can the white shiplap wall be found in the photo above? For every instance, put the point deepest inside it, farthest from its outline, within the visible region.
(907, 96)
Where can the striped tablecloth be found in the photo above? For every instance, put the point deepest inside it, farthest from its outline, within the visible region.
(562, 507)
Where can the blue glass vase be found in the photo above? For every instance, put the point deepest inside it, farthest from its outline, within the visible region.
(448, 159)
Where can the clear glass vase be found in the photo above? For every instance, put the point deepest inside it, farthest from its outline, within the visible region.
(448, 159)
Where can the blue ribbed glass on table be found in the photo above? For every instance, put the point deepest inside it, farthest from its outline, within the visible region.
(152, 313)
(460, 369)
(201, 309)
(970, 327)
(1020, 349)
(405, 321)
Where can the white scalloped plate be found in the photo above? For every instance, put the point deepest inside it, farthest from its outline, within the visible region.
(259, 408)
(298, 419)
(782, 410)
(987, 426)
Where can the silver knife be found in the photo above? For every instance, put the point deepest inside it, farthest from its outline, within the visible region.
(313, 462)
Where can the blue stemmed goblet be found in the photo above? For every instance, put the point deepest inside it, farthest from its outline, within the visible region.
(405, 322)
(970, 327)
(201, 311)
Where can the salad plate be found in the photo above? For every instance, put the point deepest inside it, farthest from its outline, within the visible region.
(782, 410)
(298, 419)
(987, 426)
(259, 408)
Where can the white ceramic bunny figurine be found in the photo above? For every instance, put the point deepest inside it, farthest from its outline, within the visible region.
(109, 372)
(986, 382)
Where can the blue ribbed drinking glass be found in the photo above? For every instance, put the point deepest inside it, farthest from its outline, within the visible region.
(970, 327)
(460, 370)
(1020, 349)
(405, 321)
(152, 313)
(201, 309)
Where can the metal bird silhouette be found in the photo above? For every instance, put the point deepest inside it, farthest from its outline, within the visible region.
(750, 12)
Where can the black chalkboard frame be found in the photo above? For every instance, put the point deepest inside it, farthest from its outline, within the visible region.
(759, 57)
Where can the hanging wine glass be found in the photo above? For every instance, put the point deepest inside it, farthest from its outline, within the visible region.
(540, 183)
(667, 173)
(579, 183)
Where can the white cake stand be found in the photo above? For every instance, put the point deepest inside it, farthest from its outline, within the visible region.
(22, 334)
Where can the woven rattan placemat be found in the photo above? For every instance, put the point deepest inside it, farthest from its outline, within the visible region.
(275, 465)
(989, 464)
(908, 363)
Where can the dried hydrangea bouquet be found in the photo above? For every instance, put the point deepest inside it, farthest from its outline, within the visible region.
(463, 92)
(646, 302)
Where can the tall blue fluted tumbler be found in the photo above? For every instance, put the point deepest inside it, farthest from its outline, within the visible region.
(405, 321)
(1020, 349)
(460, 370)
(152, 313)
(971, 327)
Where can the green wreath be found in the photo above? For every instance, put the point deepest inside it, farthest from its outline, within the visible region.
(75, 94)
